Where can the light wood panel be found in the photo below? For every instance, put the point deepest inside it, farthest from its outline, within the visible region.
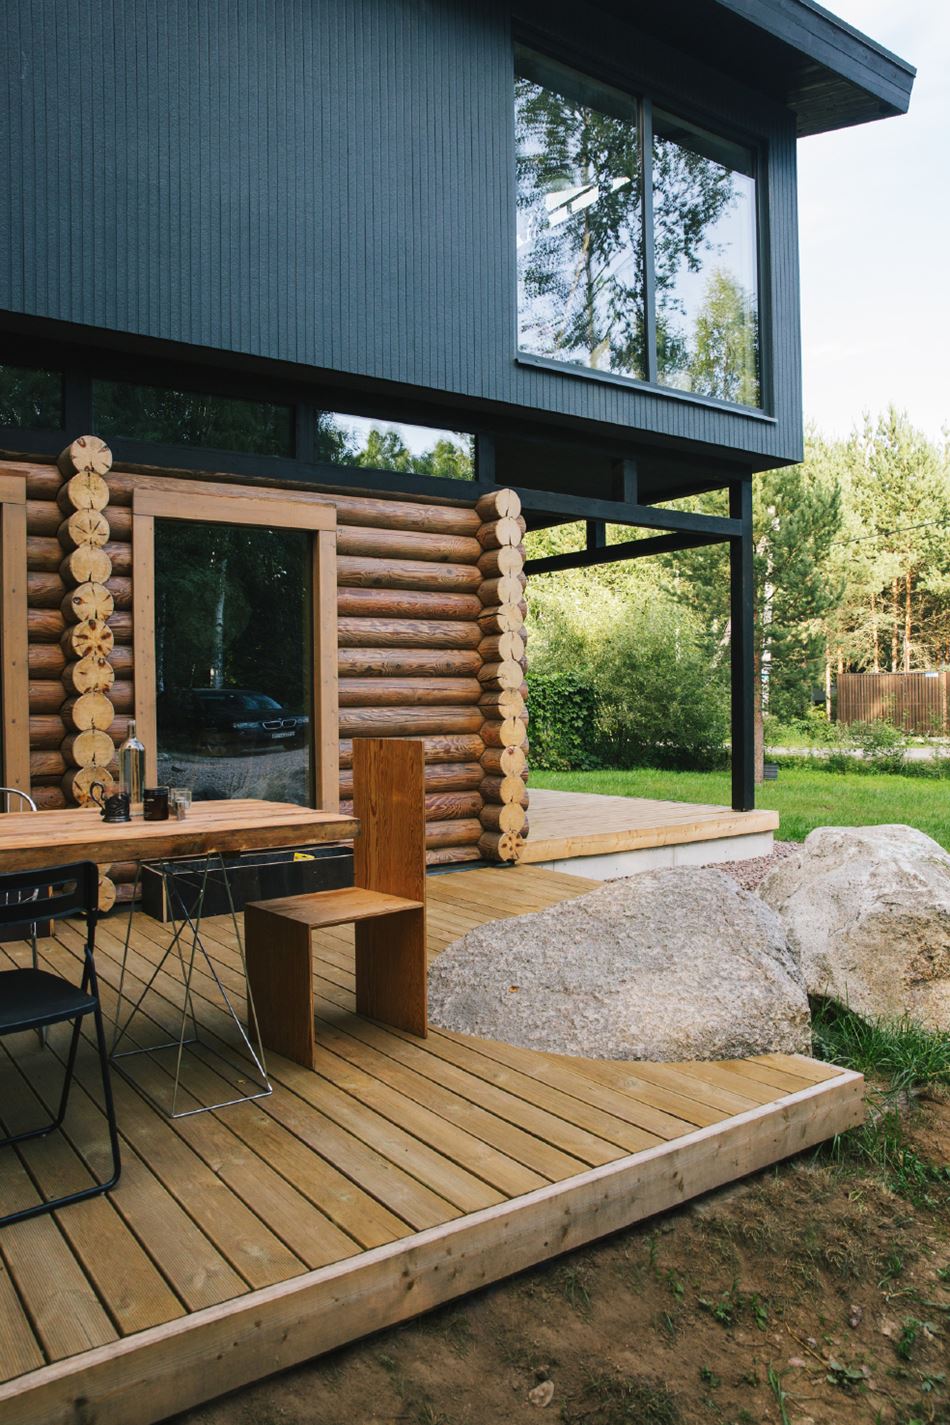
(400, 1173)
(13, 633)
(566, 824)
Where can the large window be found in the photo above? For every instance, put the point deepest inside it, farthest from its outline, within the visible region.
(707, 305)
(587, 266)
(580, 220)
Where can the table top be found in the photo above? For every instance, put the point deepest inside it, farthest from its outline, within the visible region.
(33, 840)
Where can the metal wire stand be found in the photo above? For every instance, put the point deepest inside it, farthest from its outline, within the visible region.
(186, 943)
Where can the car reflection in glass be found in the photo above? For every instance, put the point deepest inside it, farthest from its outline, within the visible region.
(228, 720)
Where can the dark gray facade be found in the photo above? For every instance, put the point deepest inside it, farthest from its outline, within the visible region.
(329, 183)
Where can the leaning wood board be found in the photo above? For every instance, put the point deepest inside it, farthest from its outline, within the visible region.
(368, 1191)
(32, 840)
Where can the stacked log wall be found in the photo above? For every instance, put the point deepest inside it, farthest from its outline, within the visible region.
(430, 626)
(504, 692)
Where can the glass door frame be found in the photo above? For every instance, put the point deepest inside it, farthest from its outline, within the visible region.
(14, 646)
(200, 501)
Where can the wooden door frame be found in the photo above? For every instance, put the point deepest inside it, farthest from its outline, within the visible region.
(203, 501)
(15, 650)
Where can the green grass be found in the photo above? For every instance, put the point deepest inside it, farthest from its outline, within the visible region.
(898, 1057)
(803, 798)
(899, 1051)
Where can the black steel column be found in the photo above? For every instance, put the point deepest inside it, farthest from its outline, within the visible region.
(742, 652)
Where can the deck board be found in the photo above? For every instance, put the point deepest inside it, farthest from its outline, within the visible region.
(568, 824)
(401, 1173)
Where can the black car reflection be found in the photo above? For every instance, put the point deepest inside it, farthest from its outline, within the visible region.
(222, 720)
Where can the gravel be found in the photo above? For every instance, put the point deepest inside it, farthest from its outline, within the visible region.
(753, 871)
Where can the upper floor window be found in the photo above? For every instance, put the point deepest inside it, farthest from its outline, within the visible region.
(587, 265)
(706, 263)
(580, 220)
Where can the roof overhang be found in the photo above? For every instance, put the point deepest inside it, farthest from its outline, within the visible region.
(796, 52)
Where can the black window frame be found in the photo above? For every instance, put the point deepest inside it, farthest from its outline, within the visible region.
(673, 106)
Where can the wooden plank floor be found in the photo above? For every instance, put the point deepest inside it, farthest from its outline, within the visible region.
(402, 1173)
(565, 824)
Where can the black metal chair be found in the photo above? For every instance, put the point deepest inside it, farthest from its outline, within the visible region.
(36, 999)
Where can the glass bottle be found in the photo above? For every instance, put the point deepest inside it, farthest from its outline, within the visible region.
(132, 767)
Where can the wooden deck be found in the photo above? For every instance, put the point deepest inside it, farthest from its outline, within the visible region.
(402, 1174)
(568, 824)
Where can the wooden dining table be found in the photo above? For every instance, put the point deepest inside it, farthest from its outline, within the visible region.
(212, 830)
(33, 840)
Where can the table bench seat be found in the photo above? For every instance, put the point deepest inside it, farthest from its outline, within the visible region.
(324, 908)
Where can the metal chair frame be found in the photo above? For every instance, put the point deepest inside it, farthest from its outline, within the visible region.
(65, 891)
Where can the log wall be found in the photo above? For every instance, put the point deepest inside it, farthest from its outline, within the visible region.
(431, 644)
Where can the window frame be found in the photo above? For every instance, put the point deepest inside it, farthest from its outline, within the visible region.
(14, 634)
(692, 114)
(155, 497)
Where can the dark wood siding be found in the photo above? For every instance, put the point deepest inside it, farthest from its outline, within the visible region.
(331, 184)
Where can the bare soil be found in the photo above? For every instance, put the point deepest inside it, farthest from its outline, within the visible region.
(810, 1294)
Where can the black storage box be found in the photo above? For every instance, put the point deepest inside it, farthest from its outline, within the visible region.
(253, 876)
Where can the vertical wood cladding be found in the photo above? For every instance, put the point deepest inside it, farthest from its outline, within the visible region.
(430, 645)
(332, 184)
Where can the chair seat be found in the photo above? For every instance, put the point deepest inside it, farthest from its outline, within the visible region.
(30, 999)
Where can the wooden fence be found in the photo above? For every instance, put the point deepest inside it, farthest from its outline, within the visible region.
(917, 702)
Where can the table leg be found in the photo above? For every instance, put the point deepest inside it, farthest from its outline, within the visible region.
(187, 928)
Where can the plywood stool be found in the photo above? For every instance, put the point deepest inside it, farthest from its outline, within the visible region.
(386, 906)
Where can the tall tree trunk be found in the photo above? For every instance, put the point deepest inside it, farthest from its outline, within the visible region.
(876, 632)
(895, 624)
(907, 622)
(828, 682)
(217, 627)
(758, 729)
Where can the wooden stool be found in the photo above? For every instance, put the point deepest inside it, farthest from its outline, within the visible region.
(386, 906)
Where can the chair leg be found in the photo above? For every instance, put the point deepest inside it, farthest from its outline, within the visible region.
(107, 1099)
(41, 1034)
(70, 1066)
(41, 1207)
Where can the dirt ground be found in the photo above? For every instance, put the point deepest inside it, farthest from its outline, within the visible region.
(811, 1294)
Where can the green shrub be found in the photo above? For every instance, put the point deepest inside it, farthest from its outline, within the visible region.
(563, 708)
(883, 748)
(641, 689)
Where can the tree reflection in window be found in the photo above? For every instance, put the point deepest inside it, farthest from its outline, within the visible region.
(233, 659)
(388, 445)
(580, 220)
(31, 399)
(705, 255)
(168, 417)
(580, 238)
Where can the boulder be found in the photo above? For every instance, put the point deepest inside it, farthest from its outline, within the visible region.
(667, 965)
(867, 910)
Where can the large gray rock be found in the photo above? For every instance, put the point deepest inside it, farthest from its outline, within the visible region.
(867, 910)
(673, 964)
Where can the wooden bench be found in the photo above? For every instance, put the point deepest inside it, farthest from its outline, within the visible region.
(386, 907)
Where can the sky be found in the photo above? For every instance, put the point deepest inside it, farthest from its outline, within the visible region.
(874, 214)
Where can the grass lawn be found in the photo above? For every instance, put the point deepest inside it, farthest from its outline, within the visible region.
(803, 798)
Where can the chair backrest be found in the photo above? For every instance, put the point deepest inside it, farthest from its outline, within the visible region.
(389, 855)
(8, 792)
(56, 891)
